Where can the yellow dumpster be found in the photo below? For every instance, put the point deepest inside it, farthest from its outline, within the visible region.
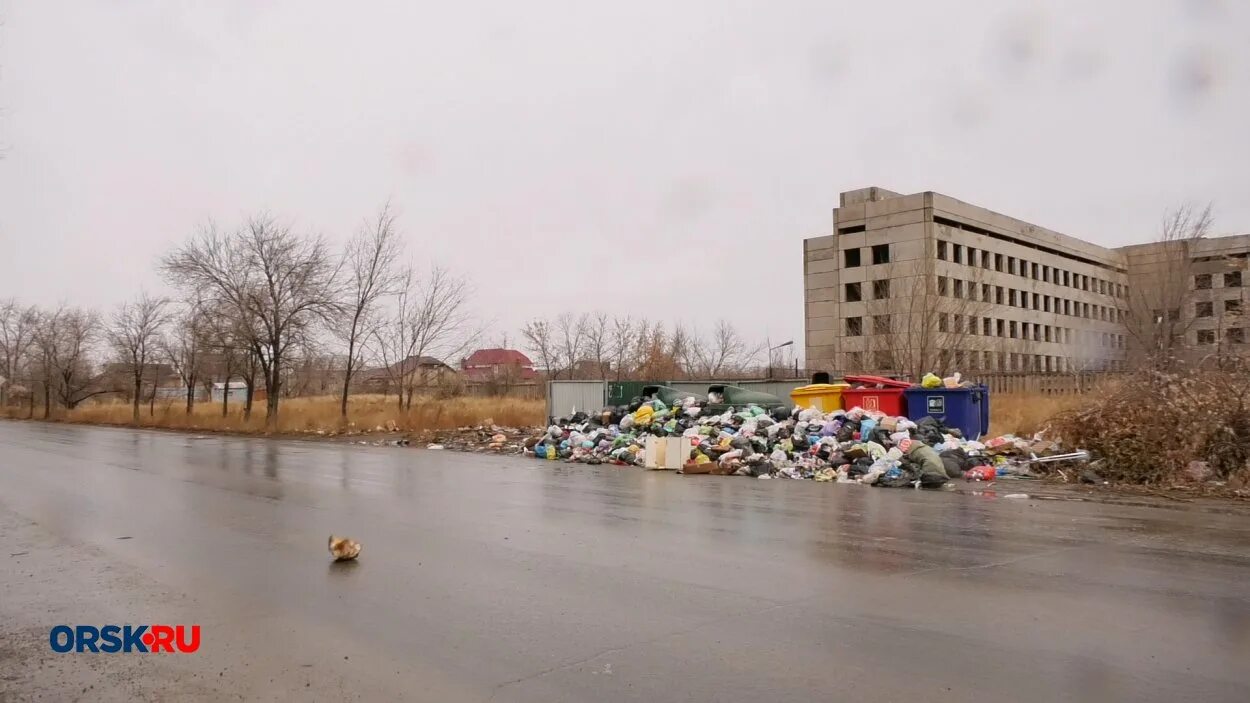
(825, 397)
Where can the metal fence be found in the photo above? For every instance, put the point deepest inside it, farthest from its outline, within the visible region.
(1043, 384)
(567, 397)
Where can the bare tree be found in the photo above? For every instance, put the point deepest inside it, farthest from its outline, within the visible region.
(1159, 311)
(17, 338)
(598, 336)
(135, 335)
(372, 275)
(622, 342)
(540, 341)
(570, 340)
(66, 339)
(278, 284)
(431, 318)
(725, 353)
(920, 321)
(185, 345)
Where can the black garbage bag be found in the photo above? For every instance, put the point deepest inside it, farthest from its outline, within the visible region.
(847, 431)
(930, 430)
(956, 462)
(859, 467)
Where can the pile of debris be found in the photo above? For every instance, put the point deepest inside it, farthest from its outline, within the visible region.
(483, 438)
(855, 445)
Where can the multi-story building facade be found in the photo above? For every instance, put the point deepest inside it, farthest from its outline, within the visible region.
(908, 283)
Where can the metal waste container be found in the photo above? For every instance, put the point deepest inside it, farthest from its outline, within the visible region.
(965, 408)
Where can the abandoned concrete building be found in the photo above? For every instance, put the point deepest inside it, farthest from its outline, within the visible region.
(910, 283)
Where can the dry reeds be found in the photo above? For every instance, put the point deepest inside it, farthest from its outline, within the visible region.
(318, 414)
(1027, 413)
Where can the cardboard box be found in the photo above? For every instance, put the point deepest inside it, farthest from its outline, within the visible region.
(666, 452)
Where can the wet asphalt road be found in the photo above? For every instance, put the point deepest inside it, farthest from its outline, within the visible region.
(498, 578)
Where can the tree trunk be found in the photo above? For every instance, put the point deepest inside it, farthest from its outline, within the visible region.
(347, 384)
(190, 394)
(225, 397)
(274, 387)
(134, 416)
(47, 400)
(152, 401)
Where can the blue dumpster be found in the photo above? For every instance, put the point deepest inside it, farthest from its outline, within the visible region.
(965, 408)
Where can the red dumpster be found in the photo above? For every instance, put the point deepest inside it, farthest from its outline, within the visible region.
(876, 393)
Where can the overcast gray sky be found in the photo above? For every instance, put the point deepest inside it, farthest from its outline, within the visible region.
(663, 159)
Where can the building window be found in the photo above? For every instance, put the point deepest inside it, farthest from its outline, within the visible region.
(881, 289)
(985, 292)
(881, 254)
(1012, 329)
(1046, 332)
(1011, 297)
(957, 323)
(1045, 274)
(851, 258)
(998, 295)
(985, 260)
(851, 229)
(880, 324)
(987, 326)
(1067, 278)
(941, 250)
(1202, 281)
(854, 361)
(1037, 301)
(972, 324)
(1024, 330)
(957, 253)
(972, 291)
(972, 256)
(1045, 303)
(1000, 326)
(1232, 307)
(942, 322)
(1206, 336)
(1067, 306)
(1235, 335)
(998, 262)
(959, 288)
(854, 326)
(1034, 271)
(1174, 314)
(942, 285)
(1011, 265)
(1232, 279)
(853, 293)
(883, 359)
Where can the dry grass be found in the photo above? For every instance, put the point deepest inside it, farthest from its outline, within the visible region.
(304, 415)
(1026, 413)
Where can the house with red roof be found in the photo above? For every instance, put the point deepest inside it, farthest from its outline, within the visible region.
(506, 366)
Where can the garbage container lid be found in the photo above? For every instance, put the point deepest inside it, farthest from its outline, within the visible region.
(821, 387)
(879, 381)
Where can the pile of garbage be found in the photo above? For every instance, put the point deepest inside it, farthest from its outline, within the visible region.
(847, 446)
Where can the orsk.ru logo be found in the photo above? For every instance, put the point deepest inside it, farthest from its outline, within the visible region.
(111, 639)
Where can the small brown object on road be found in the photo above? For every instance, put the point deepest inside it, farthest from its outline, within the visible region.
(343, 548)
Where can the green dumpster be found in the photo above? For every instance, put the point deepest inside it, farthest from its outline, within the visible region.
(621, 392)
(739, 397)
(666, 394)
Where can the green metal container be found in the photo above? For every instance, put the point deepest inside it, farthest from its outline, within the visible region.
(738, 397)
